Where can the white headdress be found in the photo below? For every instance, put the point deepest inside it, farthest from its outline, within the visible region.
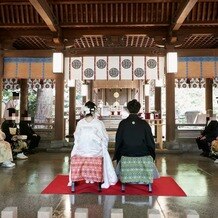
(86, 110)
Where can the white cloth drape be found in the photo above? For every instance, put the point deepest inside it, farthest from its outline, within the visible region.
(10, 104)
(91, 140)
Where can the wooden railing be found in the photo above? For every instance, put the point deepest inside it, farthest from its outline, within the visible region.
(157, 129)
(46, 132)
(186, 134)
(43, 125)
(188, 130)
(156, 125)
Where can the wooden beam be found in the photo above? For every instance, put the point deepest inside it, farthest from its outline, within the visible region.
(23, 2)
(115, 51)
(201, 23)
(140, 51)
(184, 9)
(186, 31)
(117, 25)
(14, 34)
(46, 14)
(42, 7)
(106, 25)
(197, 52)
(77, 33)
(28, 53)
(111, 51)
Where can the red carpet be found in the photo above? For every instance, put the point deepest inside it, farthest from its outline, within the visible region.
(164, 186)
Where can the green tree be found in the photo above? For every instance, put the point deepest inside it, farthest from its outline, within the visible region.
(32, 102)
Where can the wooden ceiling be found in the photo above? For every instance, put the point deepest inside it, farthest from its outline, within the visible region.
(101, 27)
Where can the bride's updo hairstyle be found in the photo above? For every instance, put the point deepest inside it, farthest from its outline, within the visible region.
(90, 108)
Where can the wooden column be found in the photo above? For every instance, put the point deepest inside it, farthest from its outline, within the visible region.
(209, 96)
(72, 110)
(170, 107)
(1, 82)
(59, 106)
(147, 106)
(103, 96)
(129, 95)
(147, 101)
(90, 91)
(95, 95)
(23, 96)
(141, 91)
(157, 106)
(157, 101)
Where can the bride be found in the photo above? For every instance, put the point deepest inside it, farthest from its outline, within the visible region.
(91, 140)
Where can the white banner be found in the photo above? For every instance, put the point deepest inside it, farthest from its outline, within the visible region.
(76, 68)
(101, 67)
(151, 67)
(138, 67)
(113, 67)
(88, 68)
(126, 67)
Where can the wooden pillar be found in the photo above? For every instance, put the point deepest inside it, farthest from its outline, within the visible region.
(104, 96)
(23, 96)
(72, 110)
(95, 95)
(90, 90)
(1, 82)
(209, 96)
(141, 91)
(157, 106)
(157, 101)
(129, 95)
(147, 106)
(59, 106)
(170, 107)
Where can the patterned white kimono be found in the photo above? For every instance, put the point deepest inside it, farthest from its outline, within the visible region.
(91, 140)
(5, 149)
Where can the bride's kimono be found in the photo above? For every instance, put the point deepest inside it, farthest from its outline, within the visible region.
(5, 149)
(91, 140)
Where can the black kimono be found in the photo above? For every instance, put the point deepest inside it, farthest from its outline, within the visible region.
(5, 128)
(134, 138)
(32, 138)
(210, 132)
(6, 125)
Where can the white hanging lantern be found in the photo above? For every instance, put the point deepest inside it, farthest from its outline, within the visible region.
(172, 62)
(58, 62)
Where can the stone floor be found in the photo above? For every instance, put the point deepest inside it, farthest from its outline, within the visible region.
(22, 185)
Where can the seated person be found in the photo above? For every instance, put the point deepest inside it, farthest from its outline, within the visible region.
(5, 152)
(207, 136)
(134, 137)
(12, 103)
(26, 129)
(9, 127)
(91, 140)
(214, 150)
